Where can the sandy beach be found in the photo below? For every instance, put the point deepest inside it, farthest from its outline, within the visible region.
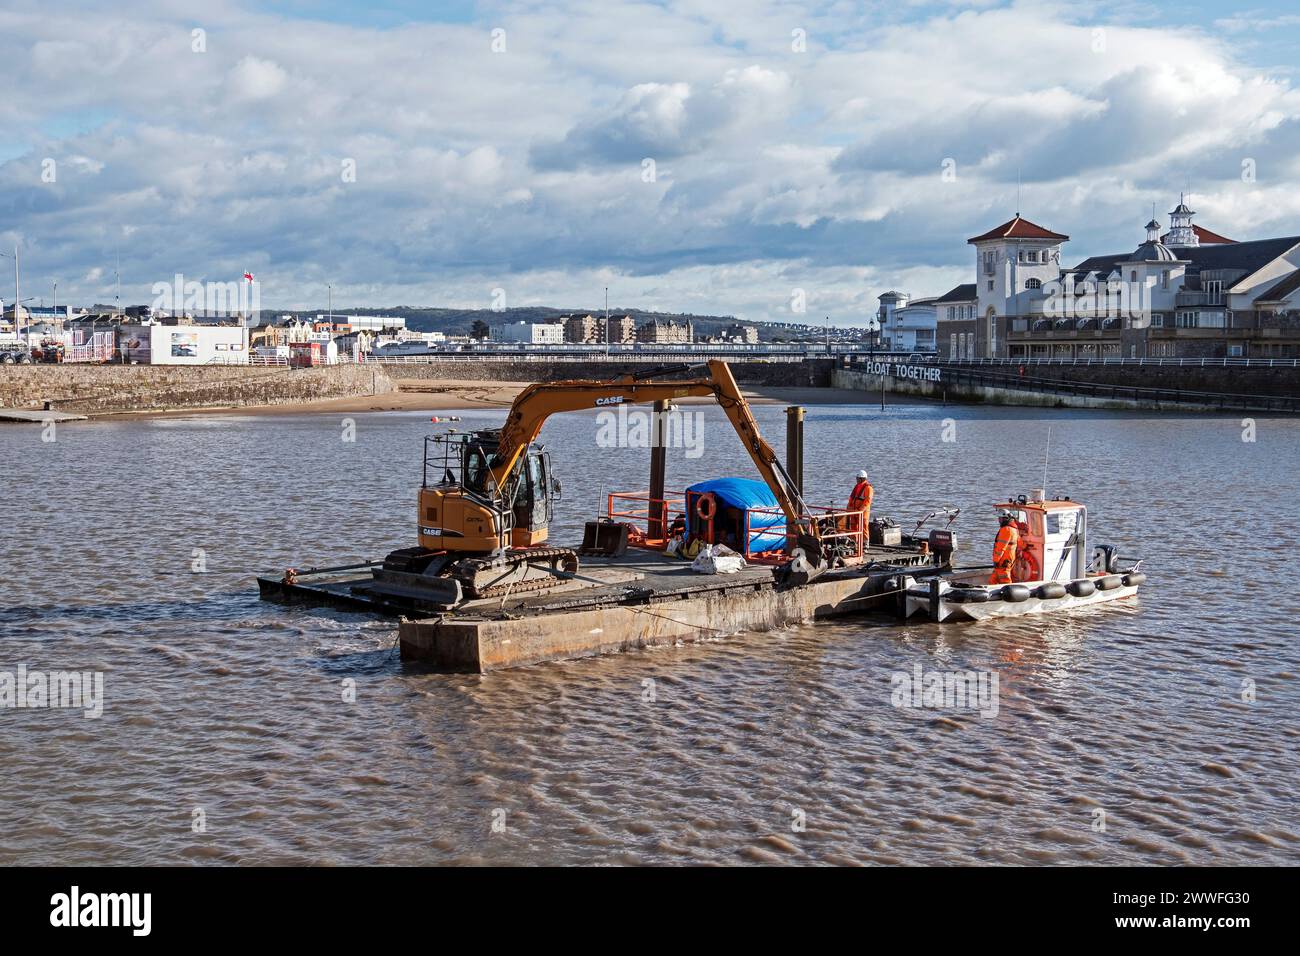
(450, 395)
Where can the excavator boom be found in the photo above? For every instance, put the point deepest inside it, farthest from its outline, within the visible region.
(537, 403)
(479, 538)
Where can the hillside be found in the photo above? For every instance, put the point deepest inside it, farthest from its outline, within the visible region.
(459, 321)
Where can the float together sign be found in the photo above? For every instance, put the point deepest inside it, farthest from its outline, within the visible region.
(920, 373)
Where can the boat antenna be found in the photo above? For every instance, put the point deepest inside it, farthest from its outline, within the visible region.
(1047, 452)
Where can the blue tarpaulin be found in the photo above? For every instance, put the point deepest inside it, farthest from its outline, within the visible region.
(742, 494)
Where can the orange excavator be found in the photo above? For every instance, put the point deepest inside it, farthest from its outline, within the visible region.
(488, 496)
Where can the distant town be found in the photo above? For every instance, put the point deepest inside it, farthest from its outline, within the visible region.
(140, 334)
(1187, 292)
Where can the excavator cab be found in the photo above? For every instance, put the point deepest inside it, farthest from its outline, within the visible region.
(462, 509)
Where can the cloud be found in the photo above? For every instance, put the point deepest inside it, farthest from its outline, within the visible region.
(255, 79)
(664, 120)
(408, 162)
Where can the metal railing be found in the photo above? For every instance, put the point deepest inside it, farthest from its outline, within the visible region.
(832, 524)
(638, 509)
(1219, 400)
(1177, 362)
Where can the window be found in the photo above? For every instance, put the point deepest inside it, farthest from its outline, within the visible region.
(990, 285)
(1164, 279)
(1213, 291)
(1033, 283)
(1200, 320)
(952, 346)
(1133, 275)
(1157, 320)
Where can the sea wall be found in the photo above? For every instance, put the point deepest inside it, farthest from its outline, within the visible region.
(1230, 379)
(947, 389)
(98, 389)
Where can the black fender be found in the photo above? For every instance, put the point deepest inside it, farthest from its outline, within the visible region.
(1014, 593)
(966, 595)
(1134, 578)
(1109, 582)
(1050, 591)
(1081, 588)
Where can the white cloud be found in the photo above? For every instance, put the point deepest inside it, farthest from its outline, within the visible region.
(473, 170)
(256, 79)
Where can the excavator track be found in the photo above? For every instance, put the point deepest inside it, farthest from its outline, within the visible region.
(561, 560)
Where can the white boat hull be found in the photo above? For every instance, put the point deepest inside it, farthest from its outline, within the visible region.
(920, 600)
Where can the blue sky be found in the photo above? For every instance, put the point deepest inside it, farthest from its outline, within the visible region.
(718, 158)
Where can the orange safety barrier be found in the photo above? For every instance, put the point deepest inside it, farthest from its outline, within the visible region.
(829, 523)
(637, 509)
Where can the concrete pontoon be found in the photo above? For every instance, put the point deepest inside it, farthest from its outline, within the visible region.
(638, 599)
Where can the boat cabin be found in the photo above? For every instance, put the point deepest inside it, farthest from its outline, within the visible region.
(1053, 538)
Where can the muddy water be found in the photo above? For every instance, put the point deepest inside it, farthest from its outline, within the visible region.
(225, 735)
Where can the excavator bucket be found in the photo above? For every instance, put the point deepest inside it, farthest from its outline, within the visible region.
(608, 538)
(806, 563)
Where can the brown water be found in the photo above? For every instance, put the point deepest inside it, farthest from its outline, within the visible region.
(223, 704)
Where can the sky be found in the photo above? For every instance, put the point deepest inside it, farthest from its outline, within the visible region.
(774, 161)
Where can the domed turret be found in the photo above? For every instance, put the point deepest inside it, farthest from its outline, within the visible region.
(1153, 250)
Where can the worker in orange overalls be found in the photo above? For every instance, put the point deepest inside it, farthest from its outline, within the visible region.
(860, 500)
(1004, 549)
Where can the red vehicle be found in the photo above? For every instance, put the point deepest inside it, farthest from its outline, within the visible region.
(305, 354)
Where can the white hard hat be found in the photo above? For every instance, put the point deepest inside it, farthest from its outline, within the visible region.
(862, 473)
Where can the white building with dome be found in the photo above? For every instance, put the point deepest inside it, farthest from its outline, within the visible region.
(1188, 293)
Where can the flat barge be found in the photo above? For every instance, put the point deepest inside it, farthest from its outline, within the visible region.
(483, 587)
(614, 603)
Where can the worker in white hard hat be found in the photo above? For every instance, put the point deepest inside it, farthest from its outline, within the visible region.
(860, 501)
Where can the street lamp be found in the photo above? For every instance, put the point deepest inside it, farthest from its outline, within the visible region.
(16, 294)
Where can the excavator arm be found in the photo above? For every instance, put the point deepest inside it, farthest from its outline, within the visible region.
(537, 403)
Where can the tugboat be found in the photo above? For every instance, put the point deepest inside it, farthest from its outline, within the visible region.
(1054, 571)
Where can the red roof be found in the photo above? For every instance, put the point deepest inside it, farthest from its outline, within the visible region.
(1203, 236)
(1019, 229)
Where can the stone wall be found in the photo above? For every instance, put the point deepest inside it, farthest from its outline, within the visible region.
(951, 388)
(113, 388)
(806, 373)
(1232, 379)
